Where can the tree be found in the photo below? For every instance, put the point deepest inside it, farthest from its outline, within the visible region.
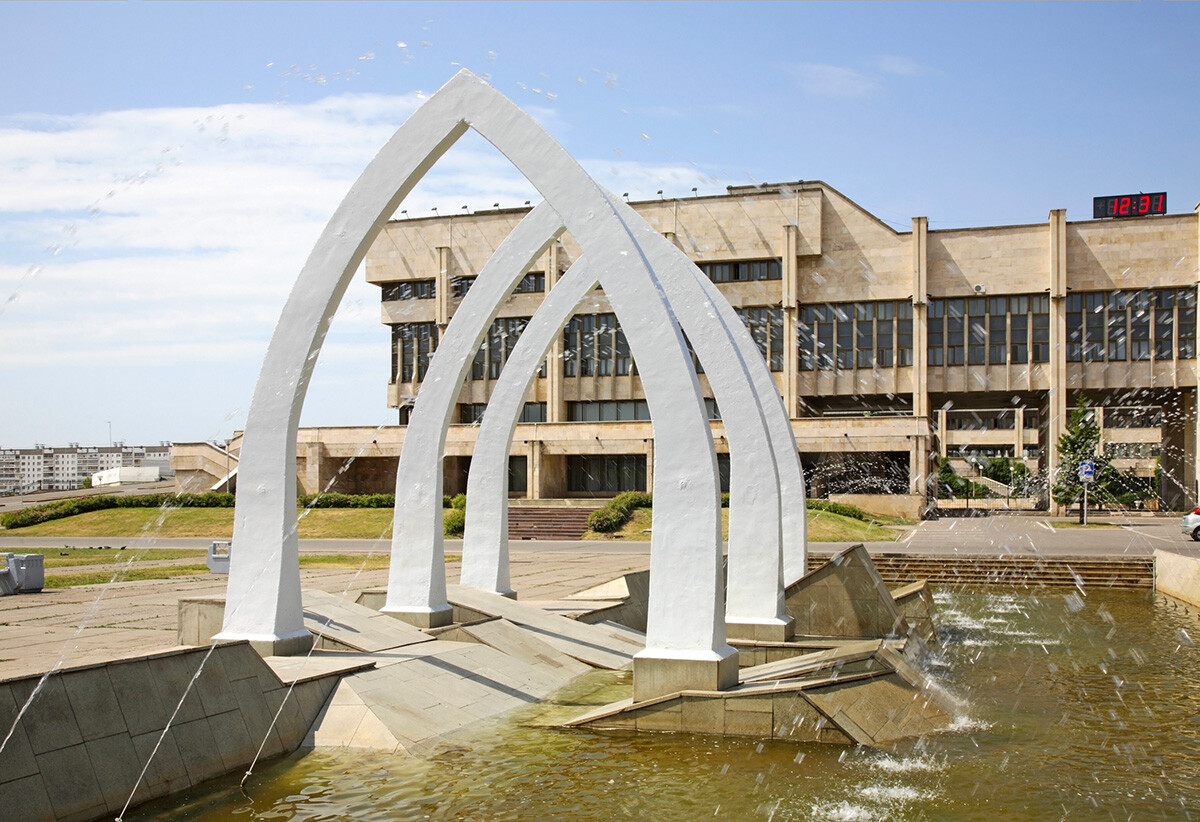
(1011, 472)
(1081, 442)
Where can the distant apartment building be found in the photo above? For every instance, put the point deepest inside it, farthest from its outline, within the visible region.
(43, 468)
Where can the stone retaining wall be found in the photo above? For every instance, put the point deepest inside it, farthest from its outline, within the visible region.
(79, 748)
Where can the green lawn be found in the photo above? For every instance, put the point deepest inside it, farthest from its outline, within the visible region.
(217, 523)
(116, 524)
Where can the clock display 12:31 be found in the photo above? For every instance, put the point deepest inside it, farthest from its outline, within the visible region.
(1129, 205)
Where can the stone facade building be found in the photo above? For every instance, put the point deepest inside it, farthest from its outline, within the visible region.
(890, 348)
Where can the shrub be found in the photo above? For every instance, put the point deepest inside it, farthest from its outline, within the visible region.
(606, 520)
(618, 511)
(724, 500)
(455, 522)
(447, 502)
(459, 502)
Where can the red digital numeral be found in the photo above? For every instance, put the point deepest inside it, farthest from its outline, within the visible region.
(1144, 204)
(1159, 207)
(1123, 205)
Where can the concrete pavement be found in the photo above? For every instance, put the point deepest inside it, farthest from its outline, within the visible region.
(73, 626)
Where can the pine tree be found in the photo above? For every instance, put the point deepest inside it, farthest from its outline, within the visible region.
(1078, 443)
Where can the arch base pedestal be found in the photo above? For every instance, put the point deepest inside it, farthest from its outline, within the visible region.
(762, 630)
(656, 676)
(430, 618)
(288, 645)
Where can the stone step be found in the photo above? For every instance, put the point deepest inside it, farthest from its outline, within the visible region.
(548, 523)
(1118, 572)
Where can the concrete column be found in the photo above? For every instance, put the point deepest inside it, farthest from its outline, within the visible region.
(556, 403)
(533, 468)
(1056, 399)
(649, 464)
(443, 288)
(1019, 433)
(919, 469)
(789, 299)
(1179, 438)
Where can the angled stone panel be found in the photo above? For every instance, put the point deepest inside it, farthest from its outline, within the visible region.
(846, 597)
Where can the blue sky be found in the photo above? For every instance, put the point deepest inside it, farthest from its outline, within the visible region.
(168, 166)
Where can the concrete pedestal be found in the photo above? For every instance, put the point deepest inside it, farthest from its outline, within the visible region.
(655, 676)
(283, 646)
(433, 618)
(761, 630)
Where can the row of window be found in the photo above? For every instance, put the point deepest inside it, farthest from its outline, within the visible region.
(854, 335)
(1113, 326)
(1133, 450)
(1101, 326)
(595, 346)
(470, 413)
(743, 271)
(992, 330)
(534, 282)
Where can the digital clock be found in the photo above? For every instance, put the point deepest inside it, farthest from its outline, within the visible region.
(1129, 205)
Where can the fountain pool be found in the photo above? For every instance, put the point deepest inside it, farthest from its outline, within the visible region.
(1080, 707)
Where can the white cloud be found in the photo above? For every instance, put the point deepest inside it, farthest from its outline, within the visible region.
(835, 81)
(902, 66)
(148, 247)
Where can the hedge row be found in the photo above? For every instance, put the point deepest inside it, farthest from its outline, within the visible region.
(837, 508)
(347, 501)
(82, 505)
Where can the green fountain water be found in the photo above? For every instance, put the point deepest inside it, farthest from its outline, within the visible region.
(1079, 707)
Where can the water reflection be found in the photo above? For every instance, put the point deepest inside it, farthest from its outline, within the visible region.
(1080, 709)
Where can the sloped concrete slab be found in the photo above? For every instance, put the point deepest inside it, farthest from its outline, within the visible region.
(834, 658)
(846, 597)
(587, 643)
(522, 644)
(422, 692)
(354, 626)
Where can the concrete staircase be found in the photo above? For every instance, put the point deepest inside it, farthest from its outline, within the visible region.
(1068, 572)
(527, 522)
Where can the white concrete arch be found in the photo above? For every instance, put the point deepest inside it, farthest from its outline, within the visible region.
(686, 640)
(263, 594)
(754, 602)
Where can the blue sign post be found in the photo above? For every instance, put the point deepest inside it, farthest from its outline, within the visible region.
(1087, 472)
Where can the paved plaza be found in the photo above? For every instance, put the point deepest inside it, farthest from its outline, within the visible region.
(87, 624)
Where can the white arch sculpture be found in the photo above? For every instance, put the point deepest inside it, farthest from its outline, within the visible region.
(687, 648)
(754, 602)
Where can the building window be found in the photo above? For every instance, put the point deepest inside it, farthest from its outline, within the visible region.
(497, 346)
(533, 412)
(412, 290)
(518, 474)
(606, 474)
(766, 329)
(461, 285)
(412, 346)
(743, 271)
(595, 346)
(608, 411)
(532, 283)
(471, 413)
